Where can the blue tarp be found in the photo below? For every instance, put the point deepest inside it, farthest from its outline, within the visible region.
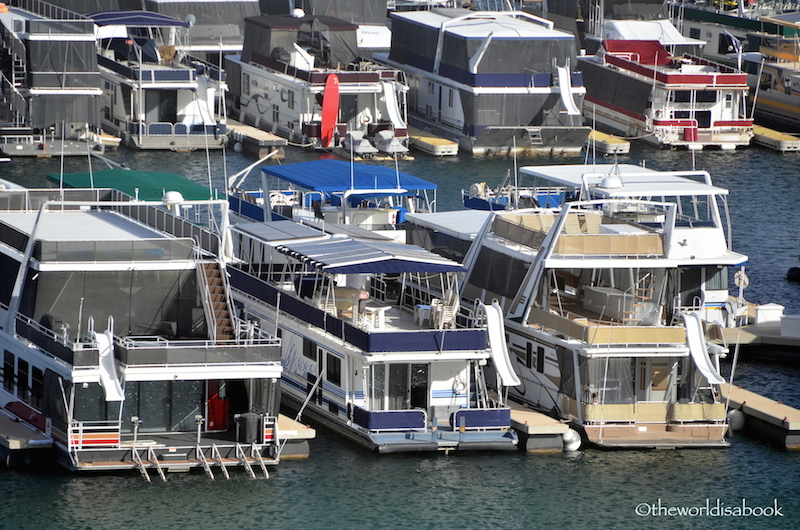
(135, 18)
(331, 176)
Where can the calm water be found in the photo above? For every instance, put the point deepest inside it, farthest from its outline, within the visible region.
(343, 486)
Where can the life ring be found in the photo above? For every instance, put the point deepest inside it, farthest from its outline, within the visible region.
(459, 386)
(740, 279)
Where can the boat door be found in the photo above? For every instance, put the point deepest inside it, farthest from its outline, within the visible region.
(655, 381)
(216, 406)
(405, 387)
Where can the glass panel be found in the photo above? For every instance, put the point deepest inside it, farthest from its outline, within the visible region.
(154, 406)
(419, 386)
(187, 402)
(398, 386)
(377, 386)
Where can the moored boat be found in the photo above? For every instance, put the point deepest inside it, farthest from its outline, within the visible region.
(121, 341)
(364, 354)
(614, 302)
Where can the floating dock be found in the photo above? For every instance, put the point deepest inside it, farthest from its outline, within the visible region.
(341, 152)
(296, 435)
(18, 440)
(764, 416)
(608, 144)
(431, 144)
(253, 140)
(538, 433)
(775, 140)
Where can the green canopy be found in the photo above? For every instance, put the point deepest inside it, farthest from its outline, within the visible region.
(151, 186)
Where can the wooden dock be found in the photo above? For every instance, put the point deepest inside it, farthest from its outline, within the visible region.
(764, 416)
(775, 140)
(253, 140)
(296, 435)
(538, 433)
(431, 144)
(608, 144)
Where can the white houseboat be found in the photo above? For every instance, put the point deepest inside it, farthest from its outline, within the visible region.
(120, 340)
(364, 353)
(497, 82)
(302, 78)
(614, 303)
(155, 96)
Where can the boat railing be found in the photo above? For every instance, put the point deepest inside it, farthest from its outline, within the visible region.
(157, 350)
(175, 129)
(58, 345)
(94, 434)
(481, 419)
(388, 420)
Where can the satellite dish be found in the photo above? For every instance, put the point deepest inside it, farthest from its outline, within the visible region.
(191, 20)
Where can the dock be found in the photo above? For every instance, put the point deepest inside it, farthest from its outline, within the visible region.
(341, 152)
(18, 440)
(253, 140)
(775, 140)
(538, 433)
(764, 416)
(296, 435)
(608, 143)
(431, 144)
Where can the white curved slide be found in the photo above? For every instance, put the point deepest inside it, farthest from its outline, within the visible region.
(565, 87)
(697, 348)
(497, 344)
(108, 371)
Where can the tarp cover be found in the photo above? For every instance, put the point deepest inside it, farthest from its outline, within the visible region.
(150, 186)
(349, 256)
(328, 175)
(336, 38)
(135, 18)
(355, 11)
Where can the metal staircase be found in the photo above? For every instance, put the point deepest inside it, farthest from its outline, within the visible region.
(643, 291)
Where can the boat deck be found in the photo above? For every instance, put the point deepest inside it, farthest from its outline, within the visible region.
(775, 140)
(608, 143)
(254, 140)
(430, 143)
(17, 436)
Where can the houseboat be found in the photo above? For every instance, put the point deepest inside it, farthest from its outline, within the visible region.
(48, 107)
(364, 353)
(155, 96)
(121, 342)
(614, 302)
(496, 82)
(373, 197)
(303, 79)
(639, 89)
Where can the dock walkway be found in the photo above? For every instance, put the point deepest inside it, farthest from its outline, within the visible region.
(775, 140)
(538, 433)
(608, 144)
(254, 140)
(765, 416)
(431, 144)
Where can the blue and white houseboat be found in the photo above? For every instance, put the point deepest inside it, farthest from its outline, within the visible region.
(364, 353)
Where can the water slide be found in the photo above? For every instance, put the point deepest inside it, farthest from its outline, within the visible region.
(497, 343)
(206, 113)
(392, 107)
(108, 371)
(565, 86)
(697, 348)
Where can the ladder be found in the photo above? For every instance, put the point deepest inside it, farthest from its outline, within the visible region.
(218, 301)
(642, 292)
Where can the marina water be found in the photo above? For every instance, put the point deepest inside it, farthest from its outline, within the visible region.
(750, 484)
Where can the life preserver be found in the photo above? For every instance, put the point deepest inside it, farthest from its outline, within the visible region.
(459, 386)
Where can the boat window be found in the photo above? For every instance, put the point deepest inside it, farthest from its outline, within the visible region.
(377, 386)
(528, 355)
(694, 33)
(162, 406)
(91, 405)
(706, 96)
(22, 380)
(717, 279)
(8, 269)
(607, 380)
(37, 387)
(8, 372)
(398, 386)
(500, 274)
(690, 286)
(540, 359)
(334, 370)
(683, 96)
(309, 349)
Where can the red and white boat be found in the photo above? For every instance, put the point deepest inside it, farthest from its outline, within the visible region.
(638, 89)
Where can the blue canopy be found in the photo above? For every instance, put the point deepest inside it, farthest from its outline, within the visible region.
(332, 176)
(135, 18)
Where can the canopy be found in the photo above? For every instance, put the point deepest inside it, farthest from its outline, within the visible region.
(135, 18)
(339, 255)
(145, 185)
(337, 176)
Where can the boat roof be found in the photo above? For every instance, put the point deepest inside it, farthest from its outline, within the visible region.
(462, 224)
(329, 175)
(356, 232)
(342, 255)
(278, 230)
(144, 185)
(479, 24)
(135, 19)
(636, 181)
(661, 30)
(79, 225)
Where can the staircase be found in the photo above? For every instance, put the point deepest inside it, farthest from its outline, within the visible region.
(643, 292)
(218, 301)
